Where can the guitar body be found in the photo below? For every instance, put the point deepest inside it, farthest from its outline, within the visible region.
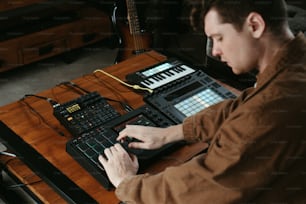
(132, 39)
(132, 44)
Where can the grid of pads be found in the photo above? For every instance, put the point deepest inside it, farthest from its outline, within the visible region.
(198, 102)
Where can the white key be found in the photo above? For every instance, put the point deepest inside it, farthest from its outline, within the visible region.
(168, 79)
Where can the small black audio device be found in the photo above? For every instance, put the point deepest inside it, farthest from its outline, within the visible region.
(84, 113)
(87, 147)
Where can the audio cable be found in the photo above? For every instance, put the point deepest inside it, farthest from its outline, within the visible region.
(133, 86)
(124, 105)
(4, 167)
(74, 86)
(51, 102)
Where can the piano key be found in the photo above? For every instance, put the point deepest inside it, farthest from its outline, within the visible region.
(157, 82)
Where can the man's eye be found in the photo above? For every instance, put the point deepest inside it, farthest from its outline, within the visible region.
(219, 39)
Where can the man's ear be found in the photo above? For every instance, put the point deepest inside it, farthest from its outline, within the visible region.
(256, 24)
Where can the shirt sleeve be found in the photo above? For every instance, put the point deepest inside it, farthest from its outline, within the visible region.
(200, 180)
(257, 149)
(240, 162)
(203, 125)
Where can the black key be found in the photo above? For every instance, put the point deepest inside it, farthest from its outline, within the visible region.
(82, 146)
(91, 142)
(89, 153)
(99, 148)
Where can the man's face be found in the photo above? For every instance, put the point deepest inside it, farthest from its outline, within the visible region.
(236, 48)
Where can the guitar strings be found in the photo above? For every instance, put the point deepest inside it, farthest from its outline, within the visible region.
(131, 11)
(134, 23)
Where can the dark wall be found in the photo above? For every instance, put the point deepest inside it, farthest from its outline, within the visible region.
(298, 3)
(167, 21)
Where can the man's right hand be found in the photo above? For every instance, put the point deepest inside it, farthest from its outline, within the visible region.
(151, 137)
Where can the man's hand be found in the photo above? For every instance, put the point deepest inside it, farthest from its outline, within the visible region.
(118, 164)
(151, 137)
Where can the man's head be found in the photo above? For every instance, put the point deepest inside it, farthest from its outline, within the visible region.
(235, 12)
(239, 29)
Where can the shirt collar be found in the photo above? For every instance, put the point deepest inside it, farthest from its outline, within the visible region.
(290, 53)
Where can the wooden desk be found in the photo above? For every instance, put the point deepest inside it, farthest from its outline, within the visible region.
(52, 146)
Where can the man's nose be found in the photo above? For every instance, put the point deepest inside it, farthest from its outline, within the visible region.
(212, 49)
(216, 52)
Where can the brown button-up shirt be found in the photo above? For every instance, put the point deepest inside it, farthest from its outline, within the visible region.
(257, 151)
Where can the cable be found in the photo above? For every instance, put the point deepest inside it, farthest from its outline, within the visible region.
(23, 184)
(114, 91)
(51, 101)
(4, 167)
(134, 86)
(8, 154)
(73, 85)
(124, 105)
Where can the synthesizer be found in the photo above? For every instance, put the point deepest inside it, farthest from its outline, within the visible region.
(95, 125)
(188, 96)
(164, 73)
(84, 113)
(86, 148)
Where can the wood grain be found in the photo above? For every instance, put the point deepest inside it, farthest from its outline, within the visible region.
(51, 145)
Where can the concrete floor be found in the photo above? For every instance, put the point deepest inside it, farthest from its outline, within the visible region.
(34, 78)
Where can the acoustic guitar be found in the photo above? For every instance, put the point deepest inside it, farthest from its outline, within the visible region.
(134, 40)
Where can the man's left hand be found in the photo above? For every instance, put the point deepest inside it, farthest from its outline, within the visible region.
(118, 164)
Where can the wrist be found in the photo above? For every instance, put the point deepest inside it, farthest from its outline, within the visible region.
(175, 133)
(117, 182)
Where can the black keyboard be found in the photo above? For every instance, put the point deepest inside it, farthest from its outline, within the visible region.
(88, 146)
(85, 113)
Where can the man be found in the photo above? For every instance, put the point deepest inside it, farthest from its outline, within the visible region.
(257, 142)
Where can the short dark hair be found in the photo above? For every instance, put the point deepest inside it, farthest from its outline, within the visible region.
(235, 11)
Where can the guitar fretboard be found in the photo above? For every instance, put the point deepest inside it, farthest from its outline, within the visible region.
(132, 17)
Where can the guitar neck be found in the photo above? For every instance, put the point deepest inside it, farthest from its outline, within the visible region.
(134, 39)
(133, 17)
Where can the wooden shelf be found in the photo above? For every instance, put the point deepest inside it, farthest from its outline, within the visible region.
(13, 4)
(88, 26)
